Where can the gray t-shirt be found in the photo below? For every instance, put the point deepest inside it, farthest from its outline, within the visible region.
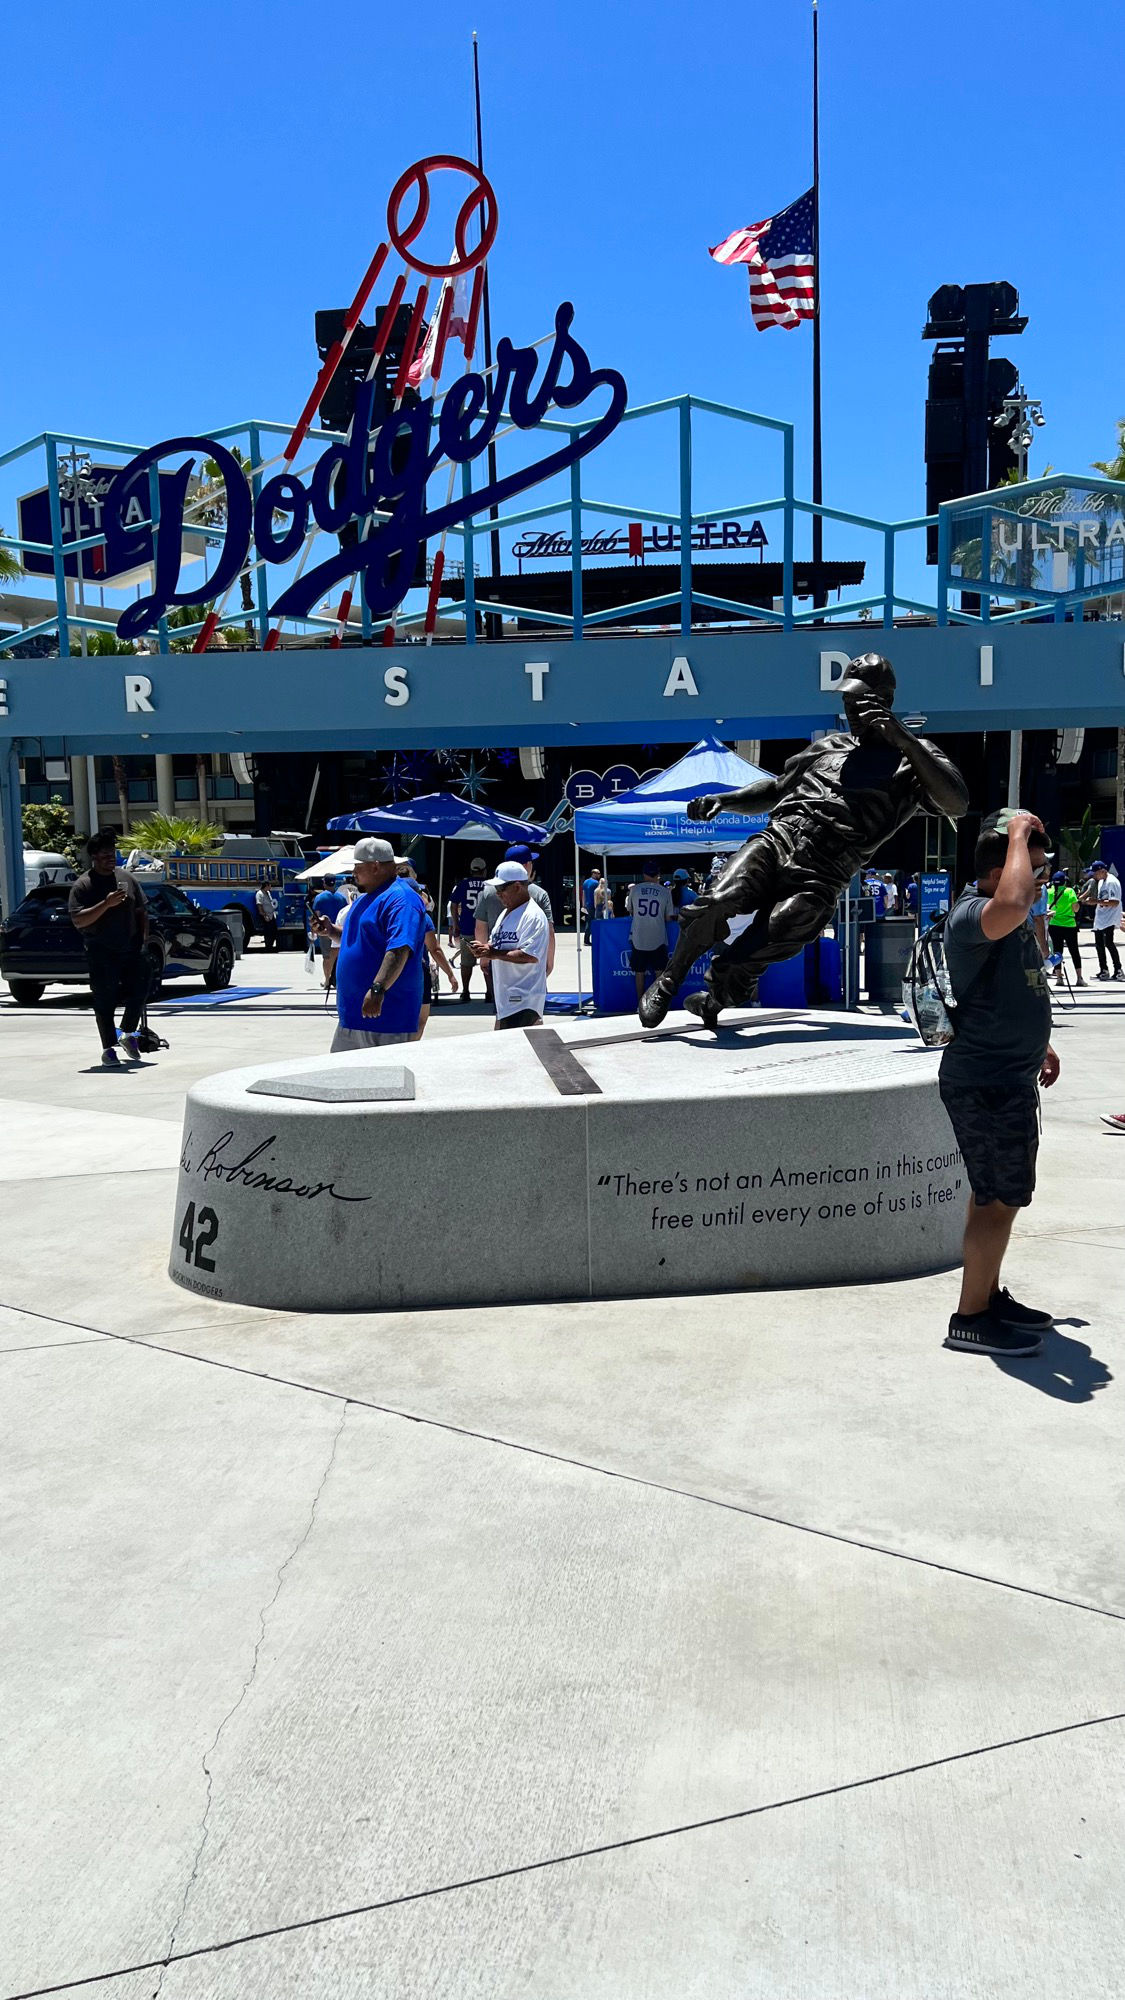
(489, 907)
(650, 908)
(1003, 1014)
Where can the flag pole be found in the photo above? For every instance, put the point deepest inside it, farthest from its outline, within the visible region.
(819, 594)
(492, 623)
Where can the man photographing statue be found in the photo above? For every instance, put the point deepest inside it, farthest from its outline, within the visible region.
(831, 809)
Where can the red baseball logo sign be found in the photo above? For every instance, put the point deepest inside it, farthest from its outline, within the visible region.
(480, 201)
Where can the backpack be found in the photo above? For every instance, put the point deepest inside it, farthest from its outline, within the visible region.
(927, 996)
(927, 993)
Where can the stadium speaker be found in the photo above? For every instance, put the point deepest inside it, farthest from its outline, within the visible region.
(533, 763)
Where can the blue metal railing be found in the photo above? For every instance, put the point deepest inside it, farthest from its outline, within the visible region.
(994, 592)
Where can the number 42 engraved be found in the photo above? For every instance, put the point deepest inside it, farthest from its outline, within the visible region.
(189, 1241)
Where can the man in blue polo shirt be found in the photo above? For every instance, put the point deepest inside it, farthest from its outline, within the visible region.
(381, 964)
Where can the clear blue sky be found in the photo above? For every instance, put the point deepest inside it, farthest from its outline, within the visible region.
(186, 185)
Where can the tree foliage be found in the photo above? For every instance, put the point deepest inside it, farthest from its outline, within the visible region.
(161, 834)
(1114, 468)
(99, 644)
(10, 565)
(49, 829)
(1082, 842)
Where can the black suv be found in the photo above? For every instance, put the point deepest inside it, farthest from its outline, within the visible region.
(40, 947)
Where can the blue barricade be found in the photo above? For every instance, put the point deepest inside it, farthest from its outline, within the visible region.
(814, 975)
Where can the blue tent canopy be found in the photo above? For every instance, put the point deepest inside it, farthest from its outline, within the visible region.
(654, 813)
(443, 816)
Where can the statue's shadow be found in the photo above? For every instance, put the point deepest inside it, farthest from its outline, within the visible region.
(816, 1037)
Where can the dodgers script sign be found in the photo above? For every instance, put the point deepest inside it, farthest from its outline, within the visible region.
(375, 481)
(357, 480)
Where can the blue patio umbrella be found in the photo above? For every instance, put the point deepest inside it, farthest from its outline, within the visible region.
(443, 816)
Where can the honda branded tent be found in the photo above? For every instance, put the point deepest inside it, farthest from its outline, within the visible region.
(655, 813)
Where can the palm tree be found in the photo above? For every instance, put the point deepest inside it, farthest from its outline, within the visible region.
(1113, 468)
(194, 614)
(10, 565)
(99, 644)
(1082, 842)
(160, 834)
(215, 510)
(122, 783)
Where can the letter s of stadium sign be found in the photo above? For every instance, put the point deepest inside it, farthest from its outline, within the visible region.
(377, 479)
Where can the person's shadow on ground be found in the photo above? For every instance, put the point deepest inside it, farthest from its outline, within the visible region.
(1065, 1368)
(115, 1069)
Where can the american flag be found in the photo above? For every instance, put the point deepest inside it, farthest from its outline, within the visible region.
(423, 363)
(782, 272)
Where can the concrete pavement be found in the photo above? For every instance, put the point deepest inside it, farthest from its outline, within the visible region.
(723, 1646)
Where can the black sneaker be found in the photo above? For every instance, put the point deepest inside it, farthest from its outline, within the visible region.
(705, 1006)
(1009, 1312)
(980, 1333)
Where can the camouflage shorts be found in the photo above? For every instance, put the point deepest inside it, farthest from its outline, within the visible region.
(997, 1129)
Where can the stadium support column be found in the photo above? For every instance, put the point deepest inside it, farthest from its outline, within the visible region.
(11, 831)
(1015, 758)
(80, 796)
(165, 786)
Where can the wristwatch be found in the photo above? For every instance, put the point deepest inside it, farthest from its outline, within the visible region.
(376, 988)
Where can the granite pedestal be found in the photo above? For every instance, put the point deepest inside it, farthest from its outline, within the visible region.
(583, 1160)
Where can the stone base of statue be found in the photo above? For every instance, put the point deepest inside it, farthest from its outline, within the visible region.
(583, 1160)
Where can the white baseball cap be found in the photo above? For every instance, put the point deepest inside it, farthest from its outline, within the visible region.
(370, 849)
(508, 871)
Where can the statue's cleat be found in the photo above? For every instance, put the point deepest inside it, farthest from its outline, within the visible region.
(654, 1004)
(706, 1006)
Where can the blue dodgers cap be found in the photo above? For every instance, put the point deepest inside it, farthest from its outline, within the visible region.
(526, 855)
(680, 875)
(1059, 875)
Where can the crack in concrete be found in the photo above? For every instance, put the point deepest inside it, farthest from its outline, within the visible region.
(624, 1844)
(151, 1344)
(49, 1346)
(208, 1755)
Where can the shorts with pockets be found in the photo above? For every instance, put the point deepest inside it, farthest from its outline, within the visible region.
(997, 1129)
